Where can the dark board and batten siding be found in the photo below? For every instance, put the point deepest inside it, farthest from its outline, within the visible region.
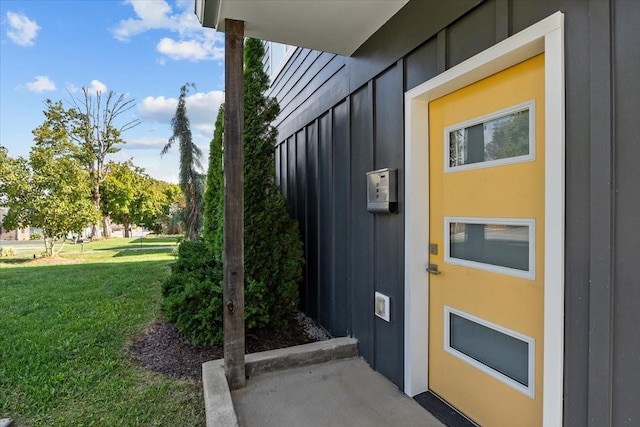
(344, 116)
(361, 238)
(625, 94)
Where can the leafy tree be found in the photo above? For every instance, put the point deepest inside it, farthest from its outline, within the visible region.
(119, 191)
(5, 161)
(191, 180)
(272, 243)
(154, 203)
(51, 189)
(170, 220)
(130, 196)
(92, 123)
(510, 137)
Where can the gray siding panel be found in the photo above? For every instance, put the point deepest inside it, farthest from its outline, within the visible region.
(362, 252)
(320, 66)
(421, 64)
(341, 324)
(311, 241)
(281, 171)
(503, 19)
(325, 222)
(329, 93)
(601, 210)
(414, 24)
(308, 75)
(389, 229)
(301, 208)
(291, 73)
(525, 13)
(292, 160)
(626, 297)
(471, 34)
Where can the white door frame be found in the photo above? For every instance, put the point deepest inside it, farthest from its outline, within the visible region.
(546, 36)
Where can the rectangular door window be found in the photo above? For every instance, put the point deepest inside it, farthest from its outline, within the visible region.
(502, 353)
(500, 245)
(498, 138)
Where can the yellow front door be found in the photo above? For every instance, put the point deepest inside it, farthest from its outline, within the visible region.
(486, 228)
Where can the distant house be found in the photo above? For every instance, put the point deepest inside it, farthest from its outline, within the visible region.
(21, 234)
(464, 175)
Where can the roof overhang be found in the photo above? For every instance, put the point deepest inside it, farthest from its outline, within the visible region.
(337, 26)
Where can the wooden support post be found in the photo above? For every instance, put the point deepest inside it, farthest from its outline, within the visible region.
(234, 205)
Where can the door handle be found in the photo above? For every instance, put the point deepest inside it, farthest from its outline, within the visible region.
(433, 269)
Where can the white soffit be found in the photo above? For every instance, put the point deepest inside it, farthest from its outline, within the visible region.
(337, 26)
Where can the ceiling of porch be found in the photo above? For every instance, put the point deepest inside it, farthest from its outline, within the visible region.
(337, 26)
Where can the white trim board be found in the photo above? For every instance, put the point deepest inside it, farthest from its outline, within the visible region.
(546, 36)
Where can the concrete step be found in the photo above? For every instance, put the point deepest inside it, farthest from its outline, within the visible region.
(217, 396)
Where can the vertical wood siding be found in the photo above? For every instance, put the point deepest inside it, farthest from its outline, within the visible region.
(388, 231)
(342, 117)
(313, 229)
(626, 212)
(326, 293)
(361, 236)
(340, 282)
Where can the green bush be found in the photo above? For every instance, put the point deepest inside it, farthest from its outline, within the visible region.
(193, 296)
(35, 236)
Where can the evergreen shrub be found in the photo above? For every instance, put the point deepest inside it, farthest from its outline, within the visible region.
(273, 252)
(193, 294)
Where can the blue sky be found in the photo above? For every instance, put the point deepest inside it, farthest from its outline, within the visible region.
(145, 49)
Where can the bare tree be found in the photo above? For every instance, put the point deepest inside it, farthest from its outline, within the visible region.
(96, 132)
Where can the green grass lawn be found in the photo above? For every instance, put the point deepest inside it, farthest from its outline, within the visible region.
(107, 248)
(64, 331)
(119, 243)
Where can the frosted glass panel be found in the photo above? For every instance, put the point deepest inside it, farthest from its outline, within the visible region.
(501, 352)
(495, 244)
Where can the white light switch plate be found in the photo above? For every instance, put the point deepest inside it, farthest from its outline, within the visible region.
(382, 307)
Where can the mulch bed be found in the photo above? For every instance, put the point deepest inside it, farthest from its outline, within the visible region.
(161, 348)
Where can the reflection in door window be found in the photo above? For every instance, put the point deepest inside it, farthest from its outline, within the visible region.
(504, 247)
(503, 137)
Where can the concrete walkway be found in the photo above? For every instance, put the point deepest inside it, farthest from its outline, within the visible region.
(344, 392)
(318, 384)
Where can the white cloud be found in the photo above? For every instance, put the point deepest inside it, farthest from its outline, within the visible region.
(71, 88)
(94, 87)
(202, 109)
(41, 84)
(22, 30)
(192, 50)
(98, 86)
(157, 109)
(157, 15)
(146, 143)
(193, 43)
